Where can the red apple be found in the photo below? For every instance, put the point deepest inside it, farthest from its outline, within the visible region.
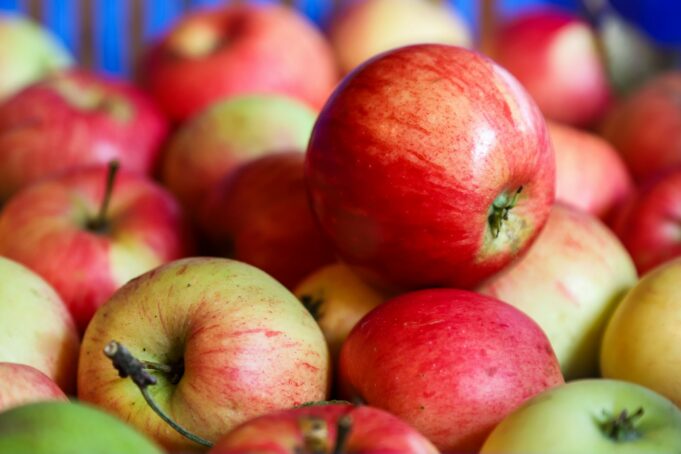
(451, 363)
(555, 56)
(430, 166)
(260, 215)
(315, 428)
(590, 174)
(239, 49)
(54, 227)
(21, 384)
(649, 222)
(646, 127)
(74, 119)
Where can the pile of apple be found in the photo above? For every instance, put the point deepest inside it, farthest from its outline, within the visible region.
(376, 241)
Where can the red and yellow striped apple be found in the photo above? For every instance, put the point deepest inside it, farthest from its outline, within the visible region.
(21, 384)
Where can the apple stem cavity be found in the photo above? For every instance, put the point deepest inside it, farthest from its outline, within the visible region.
(315, 433)
(128, 366)
(501, 207)
(99, 224)
(622, 428)
(313, 305)
(343, 428)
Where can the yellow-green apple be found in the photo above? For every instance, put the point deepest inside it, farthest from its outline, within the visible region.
(74, 119)
(452, 363)
(30, 52)
(261, 215)
(208, 148)
(239, 49)
(232, 344)
(430, 166)
(649, 221)
(645, 127)
(21, 384)
(337, 298)
(642, 342)
(87, 234)
(590, 416)
(68, 428)
(569, 282)
(361, 29)
(590, 174)
(36, 328)
(316, 428)
(554, 54)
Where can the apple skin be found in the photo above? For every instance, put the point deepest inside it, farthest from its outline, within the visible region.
(74, 119)
(590, 174)
(453, 363)
(372, 431)
(410, 153)
(48, 342)
(261, 215)
(206, 149)
(361, 29)
(68, 428)
(565, 420)
(45, 227)
(34, 53)
(247, 345)
(648, 221)
(645, 127)
(554, 55)
(642, 342)
(569, 282)
(239, 49)
(22, 384)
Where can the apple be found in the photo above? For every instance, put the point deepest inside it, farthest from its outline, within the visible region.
(642, 342)
(430, 166)
(569, 282)
(209, 147)
(451, 363)
(260, 215)
(315, 428)
(646, 126)
(232, 342)
(22, 384)
(87, 234)
(68, 428)
(362, 29)
(73, 119)
(554, 54)
(590, 416)
(238, 49)
(590, 174)
(648, 221)
(30, 53)
(36, 328)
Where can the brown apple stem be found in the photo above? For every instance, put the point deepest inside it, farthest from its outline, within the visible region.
(128, 366)
(343, 428)
(99, 223)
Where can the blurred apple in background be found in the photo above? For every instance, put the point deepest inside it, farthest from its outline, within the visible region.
(28, 54)
(361, 29)
(21, 384)
(590, 174)
(216, 142)
(554, 54)
(36, 328)
(261, 215)
(74, 119)
(642, 342)
(646, 127)
(239, 49)
(451, 363)
(64, 229)
(569, 282)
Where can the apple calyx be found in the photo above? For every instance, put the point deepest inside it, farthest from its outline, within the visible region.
(128, 366)
(316, 432)
(622, 428)
(94, 99)
(498, 212)
(313, 304)
(100, 224)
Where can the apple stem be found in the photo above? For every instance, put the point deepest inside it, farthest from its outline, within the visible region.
(622, 427)
(343, 428)
(99, 223)
(500, 209)
(166, 369)
(128, 366)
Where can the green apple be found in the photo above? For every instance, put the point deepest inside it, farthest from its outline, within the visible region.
(68, 428)
(590, 416)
